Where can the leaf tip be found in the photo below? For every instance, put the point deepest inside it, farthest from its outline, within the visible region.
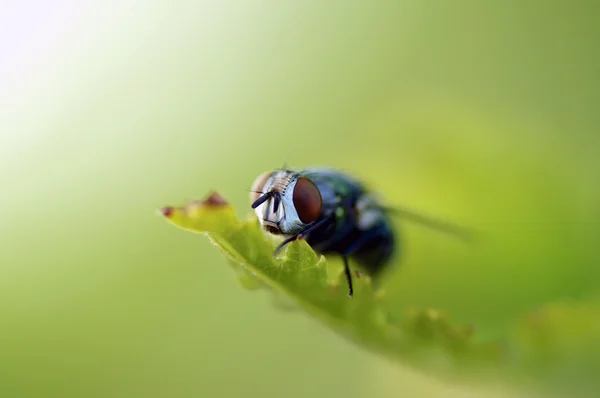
(213, 200)
(166, 211)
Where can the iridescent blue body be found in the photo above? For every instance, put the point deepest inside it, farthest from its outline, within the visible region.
(359, 227)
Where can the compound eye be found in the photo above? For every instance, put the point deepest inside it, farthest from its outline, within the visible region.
(307, 200)
(259, 185)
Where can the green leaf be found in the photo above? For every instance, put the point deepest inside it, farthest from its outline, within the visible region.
(559, 339)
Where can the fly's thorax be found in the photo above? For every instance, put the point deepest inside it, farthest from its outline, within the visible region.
(287, 202)
(369, 212)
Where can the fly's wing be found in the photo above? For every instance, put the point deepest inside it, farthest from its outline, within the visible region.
(335, 184)
(458, 231)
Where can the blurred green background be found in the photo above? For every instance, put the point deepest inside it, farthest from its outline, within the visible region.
(483, 113)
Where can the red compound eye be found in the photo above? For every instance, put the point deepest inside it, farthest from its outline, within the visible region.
(307, 200)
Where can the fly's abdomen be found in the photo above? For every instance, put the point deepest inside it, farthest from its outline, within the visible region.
(377, 250)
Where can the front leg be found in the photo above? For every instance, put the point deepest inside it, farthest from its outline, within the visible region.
(317, 224)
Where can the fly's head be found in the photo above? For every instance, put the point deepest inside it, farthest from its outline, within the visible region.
(285, 202)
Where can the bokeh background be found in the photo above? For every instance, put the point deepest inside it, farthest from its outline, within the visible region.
(482, 113)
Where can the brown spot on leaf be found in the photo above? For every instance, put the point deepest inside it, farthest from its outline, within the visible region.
(214, 199)
(468, 331)
(167, 211)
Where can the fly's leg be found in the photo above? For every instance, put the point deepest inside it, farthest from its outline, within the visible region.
(301, 234)
(348, 276)
(353, 248)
